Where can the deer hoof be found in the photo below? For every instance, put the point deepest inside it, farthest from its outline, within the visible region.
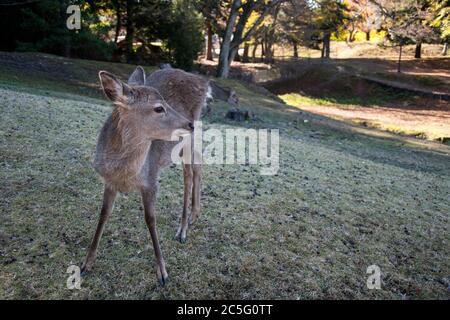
(180, 238)
(192, 219)
(85, 269)
(163, 281)
(163, 278)
(180, 235)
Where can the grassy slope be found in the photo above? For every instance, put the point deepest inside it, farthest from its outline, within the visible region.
(341, 201)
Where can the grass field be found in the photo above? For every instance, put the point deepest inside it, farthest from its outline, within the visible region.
(344, 198)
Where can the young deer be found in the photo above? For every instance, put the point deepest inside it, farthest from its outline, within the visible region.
(136, 143)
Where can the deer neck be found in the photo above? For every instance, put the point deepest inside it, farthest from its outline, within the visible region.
(129, 149)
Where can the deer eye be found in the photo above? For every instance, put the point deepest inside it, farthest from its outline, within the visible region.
(159, 109)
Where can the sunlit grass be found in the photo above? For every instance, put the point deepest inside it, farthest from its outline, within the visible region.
(297, 100)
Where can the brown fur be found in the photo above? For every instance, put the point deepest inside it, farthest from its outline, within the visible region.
(134, 146)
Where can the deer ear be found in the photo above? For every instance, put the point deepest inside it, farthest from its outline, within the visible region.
(114, 89)
(137, 78)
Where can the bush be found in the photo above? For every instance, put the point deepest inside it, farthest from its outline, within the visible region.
(185, 38)
(87, 46)
(41, 26)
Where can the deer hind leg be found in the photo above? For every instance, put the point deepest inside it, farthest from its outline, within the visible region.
(149, 199)
(196, 192)
(109, 196)
(182, 229)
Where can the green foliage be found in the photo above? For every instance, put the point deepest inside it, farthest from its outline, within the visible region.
(185, 34)
(86, 45)
(329, 16)
(405, 21)
(41, 26)
(440, 10)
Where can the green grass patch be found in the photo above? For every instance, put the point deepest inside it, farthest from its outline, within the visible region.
(378, 97)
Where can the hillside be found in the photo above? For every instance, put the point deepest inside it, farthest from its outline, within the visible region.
(345, 198)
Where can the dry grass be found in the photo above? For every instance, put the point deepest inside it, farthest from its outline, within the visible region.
(341, 201)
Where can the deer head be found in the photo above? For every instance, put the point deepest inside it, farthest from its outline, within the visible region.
(142, 111)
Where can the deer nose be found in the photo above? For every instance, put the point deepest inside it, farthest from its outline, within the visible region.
(191, 126)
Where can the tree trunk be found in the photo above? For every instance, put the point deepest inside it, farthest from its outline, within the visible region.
(233, 54)
(255, 46)
(245, 54)
(418, 52)
(118, 22)
(237, 56)
(295, 49)
(268, 50)
(209, 54)
(399, 58)
(130, 31)
(230, 47)
(326, 46)
(351, 31)
(268, 58)
(351, 36)
(118, 27)
(66, 37)
(445, 49)
(270, 37)
(367, 35)
(327, 51)
(224, 58)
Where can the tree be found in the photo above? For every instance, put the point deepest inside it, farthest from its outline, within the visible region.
(211, 11)
(295, 24)
(270, 35)
(234, 35)
(362, 17)
(440, 10)
(185, 45)
(41, 26)
(129, 38)
(329, 17)
(117, 7)
(405, 22)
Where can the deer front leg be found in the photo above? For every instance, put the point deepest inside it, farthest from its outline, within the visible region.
(182, 229)
(109, 195)
(148, 199)
(196, 192)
